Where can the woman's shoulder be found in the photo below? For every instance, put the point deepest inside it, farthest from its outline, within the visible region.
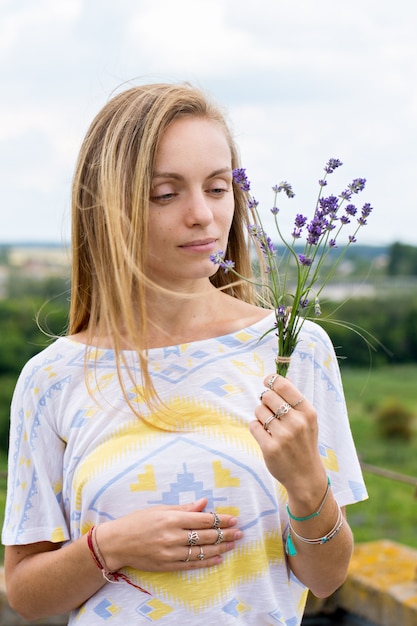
(58, 351)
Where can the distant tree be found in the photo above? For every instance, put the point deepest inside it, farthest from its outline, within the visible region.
(402, 260)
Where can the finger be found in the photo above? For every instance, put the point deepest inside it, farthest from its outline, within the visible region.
(214, 536)
(198, 505)
(202, 521)
(285, 389)
(258, 432)
(196, 557)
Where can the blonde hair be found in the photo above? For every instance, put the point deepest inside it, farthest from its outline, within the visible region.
(110, 204)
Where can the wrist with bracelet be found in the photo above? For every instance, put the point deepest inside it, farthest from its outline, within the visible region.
(96, 555)
(289, 544)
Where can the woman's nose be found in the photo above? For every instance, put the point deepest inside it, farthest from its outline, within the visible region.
(198, 210)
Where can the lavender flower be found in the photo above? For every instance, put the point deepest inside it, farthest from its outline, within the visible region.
(285, 187)
(240, 178)
(332, 216)
(331, 165)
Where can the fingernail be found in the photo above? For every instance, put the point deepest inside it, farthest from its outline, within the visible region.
(238, 534)
(233, 521)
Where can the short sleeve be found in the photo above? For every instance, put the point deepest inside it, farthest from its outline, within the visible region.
(34, 509)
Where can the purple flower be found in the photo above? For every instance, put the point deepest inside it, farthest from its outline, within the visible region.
(252, 203)
(254, 230)
(227, 265)
(329, 205)
(280, 312)
(357, 185)
(352, 239)
(300, 220)
(351, 209)
(296, 233)
(275, 210)
(366, 209)
(365, 212)
(346, 194)
(331, 165)
(305, 260)
(265, 242)
(240, 178)
(322, 182)
(217, 257)
(316, 228)
(332, 243)
(344, 219)
(285, 187)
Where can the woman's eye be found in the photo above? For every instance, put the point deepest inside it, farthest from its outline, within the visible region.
(164, 197)
(218, 191)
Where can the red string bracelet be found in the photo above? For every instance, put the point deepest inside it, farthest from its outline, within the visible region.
(111, 577)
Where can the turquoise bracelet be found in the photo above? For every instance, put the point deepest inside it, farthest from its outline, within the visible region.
(290, 548)
(316, 513)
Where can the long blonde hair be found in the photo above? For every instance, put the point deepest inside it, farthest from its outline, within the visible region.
(110, 204)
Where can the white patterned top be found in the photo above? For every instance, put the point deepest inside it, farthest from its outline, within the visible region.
(74, 462)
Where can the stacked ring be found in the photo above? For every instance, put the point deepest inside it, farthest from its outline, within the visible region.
(299, 401)
(271, 381)
(200, 556)
(216, 522)
(189, 555)
(283, 409)
(193, 538)
(268, 421)
(220, 537)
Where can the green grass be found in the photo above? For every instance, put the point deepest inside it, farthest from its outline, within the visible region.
(391, 511)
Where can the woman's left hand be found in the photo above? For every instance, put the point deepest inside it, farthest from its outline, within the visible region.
(287, 433)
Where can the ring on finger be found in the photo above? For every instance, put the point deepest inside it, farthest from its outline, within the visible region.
(189, 555)
(283, 410)
(271, 381)
(268, 421)
(216, 521)
(200, 556)
(299, 401)
(261, 395)
(193, 538)
(220, 537)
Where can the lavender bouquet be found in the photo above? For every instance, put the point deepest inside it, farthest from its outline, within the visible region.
(294, 281)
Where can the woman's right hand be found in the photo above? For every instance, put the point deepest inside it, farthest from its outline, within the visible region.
(156, 539)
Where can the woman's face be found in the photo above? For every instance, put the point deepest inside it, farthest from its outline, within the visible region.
(191, 205)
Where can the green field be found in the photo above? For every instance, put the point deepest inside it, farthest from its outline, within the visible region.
(391, 511)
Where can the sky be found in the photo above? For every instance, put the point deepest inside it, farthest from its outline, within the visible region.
(302, 81)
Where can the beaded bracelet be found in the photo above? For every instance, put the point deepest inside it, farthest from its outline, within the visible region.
(111, 577)
(290, 547)
(316, 513)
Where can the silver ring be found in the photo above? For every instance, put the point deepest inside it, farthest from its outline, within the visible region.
(200, 556)
(299, 401)
(283, 410)
(268, 421)
(271, 381)
(189, 556)
(220, 537)
(193, 538)
(216, 522)
(261, 395)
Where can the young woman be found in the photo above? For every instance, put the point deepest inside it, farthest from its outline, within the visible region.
(147, 482)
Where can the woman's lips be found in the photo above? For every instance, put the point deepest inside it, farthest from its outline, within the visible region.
(200, 245)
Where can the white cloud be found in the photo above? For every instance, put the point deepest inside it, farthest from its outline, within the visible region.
(303, 81)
